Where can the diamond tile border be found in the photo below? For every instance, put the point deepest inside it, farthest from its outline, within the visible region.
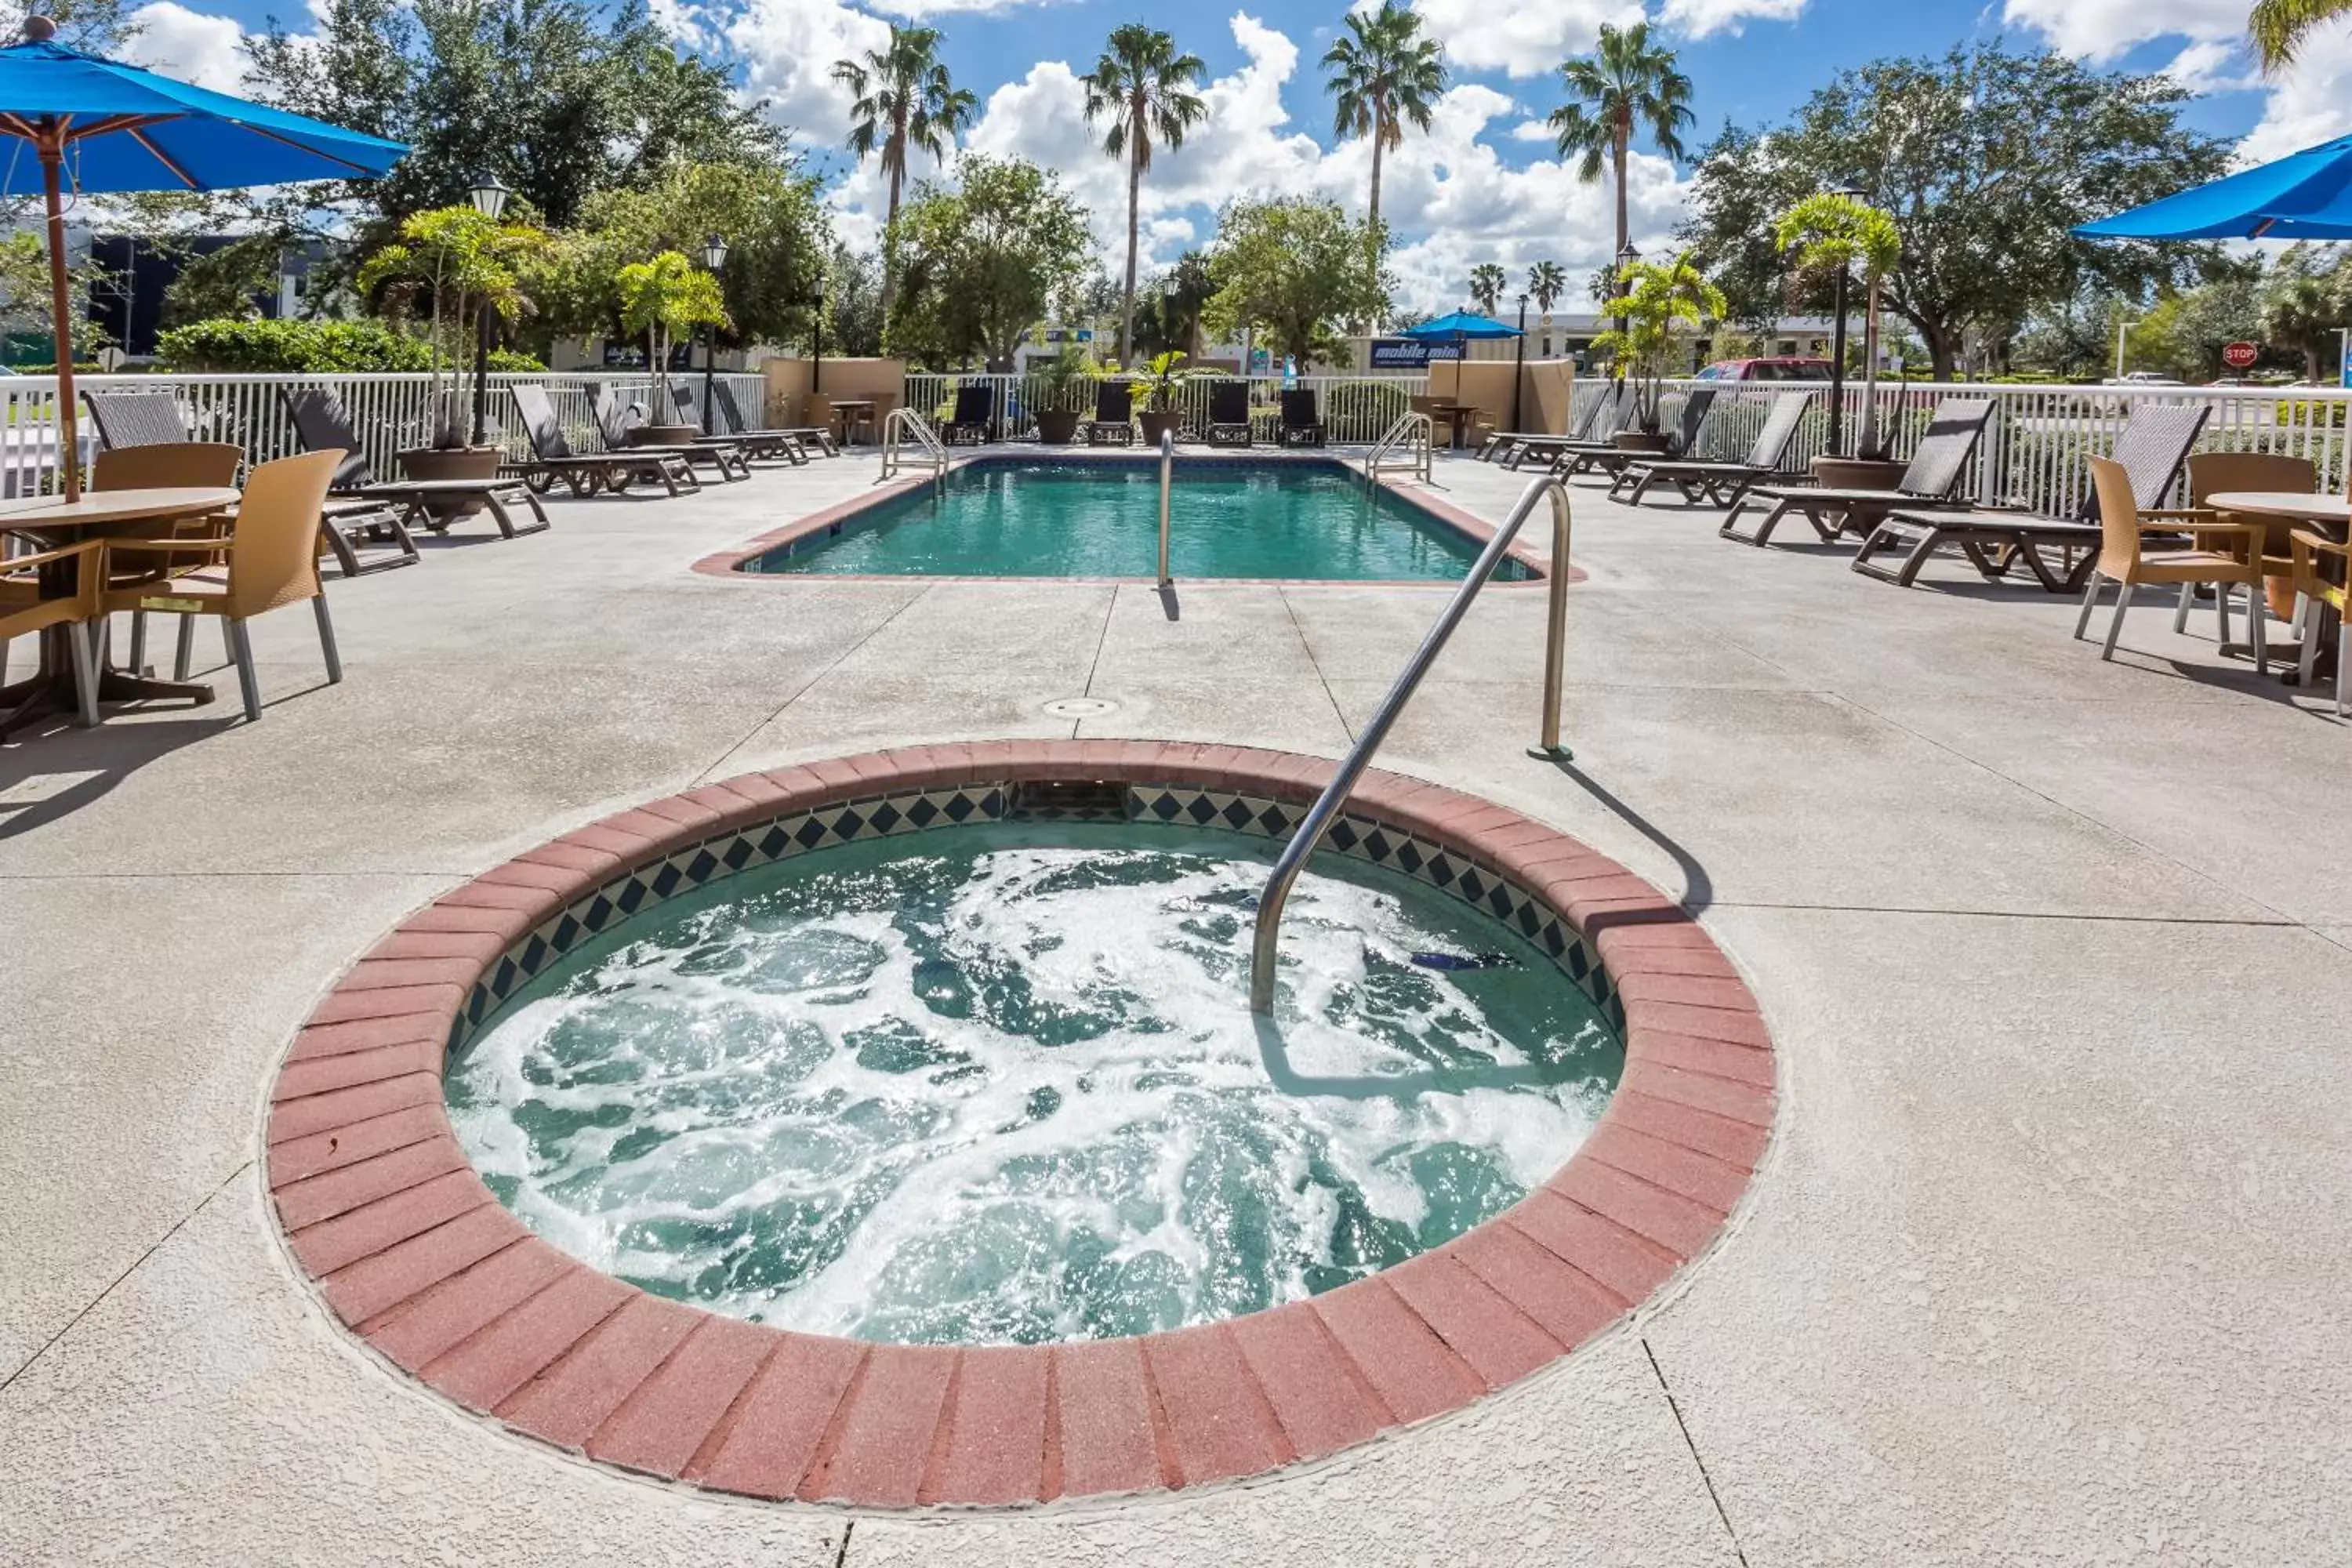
(842, 515)
(402, 1241)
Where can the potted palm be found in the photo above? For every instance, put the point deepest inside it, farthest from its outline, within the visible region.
(455, 265)
(1158, 383)
(1659, 302)
(667, 298)
(1829, 234)
(1058, 407)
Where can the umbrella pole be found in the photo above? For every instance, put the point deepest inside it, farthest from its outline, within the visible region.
(61, 304)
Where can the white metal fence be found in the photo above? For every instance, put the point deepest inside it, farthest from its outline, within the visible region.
(2033, 448)
(1354, 408)
(388, 413)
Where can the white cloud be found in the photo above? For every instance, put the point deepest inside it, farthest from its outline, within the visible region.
(2099, 30)
(1701, 18)
(1522, 38)
(1534, 130)
(787, 49)
(189, 45)
(2311, 103)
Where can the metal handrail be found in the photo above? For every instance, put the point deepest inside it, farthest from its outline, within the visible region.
(1167, 478)
(1335, 795)
(907, 422)
(1413, 430)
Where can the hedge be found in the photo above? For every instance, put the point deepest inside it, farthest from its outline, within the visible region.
(315, 347)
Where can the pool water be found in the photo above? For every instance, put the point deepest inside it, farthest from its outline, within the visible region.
(1076, 518)
(1000, 1084)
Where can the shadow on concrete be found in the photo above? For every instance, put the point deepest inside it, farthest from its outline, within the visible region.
(1699, 888)
(1169, 606)
(95, 761)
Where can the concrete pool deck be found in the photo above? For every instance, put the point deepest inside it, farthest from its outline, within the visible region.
(2046, 1263)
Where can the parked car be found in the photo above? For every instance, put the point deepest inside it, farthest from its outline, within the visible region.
(1766, 370)
(2143, 378)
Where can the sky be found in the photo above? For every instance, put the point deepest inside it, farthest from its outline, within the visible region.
(1483, 184)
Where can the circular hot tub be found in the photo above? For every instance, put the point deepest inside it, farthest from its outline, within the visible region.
(893, 1130)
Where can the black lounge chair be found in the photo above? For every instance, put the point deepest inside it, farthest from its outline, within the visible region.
(1302, 424)
(2153, 445)
(618, 426)
(974, 413)
(1953, 431)
(585, 473)
(1719, 480)
(1229, 414)
(754, 449)
(801, 438)
(324, 427)
(1569, 458)
(156, 419)
(1612, 459)
(1514, 447)
(1114, 421)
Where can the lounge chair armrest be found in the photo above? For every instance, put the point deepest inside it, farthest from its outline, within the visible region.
(207, 546)
(2242, 539)
(2179, 514)
(2303, 544)
(46, 557)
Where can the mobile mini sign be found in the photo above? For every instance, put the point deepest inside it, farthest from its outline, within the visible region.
(1404, 354)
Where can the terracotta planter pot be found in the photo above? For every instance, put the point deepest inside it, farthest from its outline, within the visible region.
(1639, 441)
(1154, 422)
(664, 436)
(450, 463)
(1057, 426)
(1855, 473)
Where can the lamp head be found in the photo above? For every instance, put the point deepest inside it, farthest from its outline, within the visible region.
(489, 196)
(714, 251)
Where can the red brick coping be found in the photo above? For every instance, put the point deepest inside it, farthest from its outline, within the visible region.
(407, 1245)
(728, 563)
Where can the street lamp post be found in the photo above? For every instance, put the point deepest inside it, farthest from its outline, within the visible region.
(714, 256)
(1625, 257)
(2123, 328)
(817, 341)
(489, 199)
(1518, 361)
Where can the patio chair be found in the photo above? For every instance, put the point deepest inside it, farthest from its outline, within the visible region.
(30, 604)
(1114, 421)
(753, 449)
(585, 473)
(1953, 431)
(1514, 447)
(1611, 459)
(2211, 473)
(1302, 425)
(1229, 414)
(1723, 483)
(794, 439)
(2154, 442)
(1571, 458)
(269, 559)
(618, 426)
(971, 422)
(209, 463)
(2315, 588)
(2221, 553)
(322, 425)
(128, 420)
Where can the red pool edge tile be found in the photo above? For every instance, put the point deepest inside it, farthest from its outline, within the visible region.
(377, 1204)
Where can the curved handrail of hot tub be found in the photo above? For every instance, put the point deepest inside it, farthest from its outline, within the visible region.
(1335, 795)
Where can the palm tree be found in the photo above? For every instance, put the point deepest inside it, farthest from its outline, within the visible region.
(904, 100)
(1384, 74)
(1145, 86)
(1625, 84)
(1486, 282)
(1546, 282)
(2279, 27)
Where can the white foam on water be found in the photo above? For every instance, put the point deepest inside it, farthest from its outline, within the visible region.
(996, 1093)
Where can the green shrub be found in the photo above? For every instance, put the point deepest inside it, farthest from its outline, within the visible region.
(2301, 412)
(508, 362)
(1376, 404)
(318, 347)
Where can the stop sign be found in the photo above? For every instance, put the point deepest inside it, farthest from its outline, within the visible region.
(2238, 356)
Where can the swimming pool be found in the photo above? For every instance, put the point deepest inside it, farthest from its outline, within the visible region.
(995, 516)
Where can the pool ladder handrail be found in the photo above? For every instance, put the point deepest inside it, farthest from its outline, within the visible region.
(1166, 478)
(1417, 433)
(907, 422)
(1328, 805)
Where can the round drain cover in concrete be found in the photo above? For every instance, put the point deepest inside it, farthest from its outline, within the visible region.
(1081, 706)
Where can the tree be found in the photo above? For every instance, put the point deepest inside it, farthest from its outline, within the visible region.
(667, 298)
(983, 262)
(905, 99)
(1487, 281)
(450, 260)
(1626, 84)
(1383, 76)
(2278, 28)
(853, 303)
(1546, 282)
(1658, 301)
(2303, 303)
(1986, 159)
(1166, 321)
(1289, 267)
(1831, 233)
(1144, 87)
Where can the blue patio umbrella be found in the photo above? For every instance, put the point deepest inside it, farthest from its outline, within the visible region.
(2305, 195)
(99, 125)
(1460, 326)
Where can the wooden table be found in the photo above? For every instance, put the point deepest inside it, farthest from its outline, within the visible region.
(848, 410)
(99, 514)
(2330, 514)
(1458, 417)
